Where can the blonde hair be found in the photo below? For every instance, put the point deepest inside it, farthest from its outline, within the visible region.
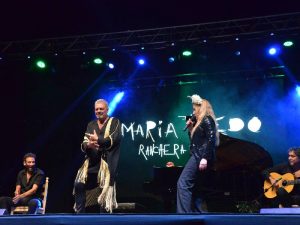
(205, 109)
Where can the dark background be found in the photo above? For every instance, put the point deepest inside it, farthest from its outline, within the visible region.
(21, 20)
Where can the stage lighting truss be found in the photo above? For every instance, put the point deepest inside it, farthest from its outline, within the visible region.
(197, 78)
(195, 34)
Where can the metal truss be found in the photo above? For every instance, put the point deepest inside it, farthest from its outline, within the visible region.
(195, 34)
(199, 78)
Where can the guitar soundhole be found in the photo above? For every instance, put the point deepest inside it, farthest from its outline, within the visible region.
(284, 183)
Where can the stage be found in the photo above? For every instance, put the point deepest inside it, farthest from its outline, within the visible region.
(152, 219)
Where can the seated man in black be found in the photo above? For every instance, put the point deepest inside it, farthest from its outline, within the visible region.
(28, 187)
(283, 198)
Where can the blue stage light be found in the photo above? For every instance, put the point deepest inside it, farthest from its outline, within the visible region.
(171, 59)
(111, 66)
(141, 61)
(298, 90)
(114, 103)
(272, 51)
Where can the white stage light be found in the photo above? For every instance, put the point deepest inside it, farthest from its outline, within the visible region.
(254, 124)
(236, 124)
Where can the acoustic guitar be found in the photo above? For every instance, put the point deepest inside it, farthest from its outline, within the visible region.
(286, 181)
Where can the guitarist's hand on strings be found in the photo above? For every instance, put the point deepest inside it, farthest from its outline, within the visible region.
(273, 182)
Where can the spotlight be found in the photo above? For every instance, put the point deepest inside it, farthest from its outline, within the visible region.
(114, 103)
(83, 53)
(236, 124)
(141, 61)
(111, 66)
(254, 124)
(171, 59)
(186, 53)
(237, 53)
(28, 57)
(237, 39)
(288, 43)
(274, 50)
(298, 90)
(97, 61)
(40, 64)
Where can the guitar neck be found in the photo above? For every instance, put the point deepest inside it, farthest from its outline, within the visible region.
(291, 182)
(297, 181)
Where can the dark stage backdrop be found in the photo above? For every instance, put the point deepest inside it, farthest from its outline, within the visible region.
(47, 113)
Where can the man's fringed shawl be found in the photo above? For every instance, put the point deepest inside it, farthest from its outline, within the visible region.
(107, 198)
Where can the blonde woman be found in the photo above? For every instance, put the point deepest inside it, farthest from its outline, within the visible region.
(204, 138)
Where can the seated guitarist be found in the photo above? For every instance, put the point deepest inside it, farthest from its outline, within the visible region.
(283, 198)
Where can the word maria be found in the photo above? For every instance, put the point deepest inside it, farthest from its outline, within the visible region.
(151, 133)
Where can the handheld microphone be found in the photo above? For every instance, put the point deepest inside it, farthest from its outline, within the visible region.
(192, 118)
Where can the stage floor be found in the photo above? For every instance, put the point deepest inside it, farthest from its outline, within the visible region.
(152, 219)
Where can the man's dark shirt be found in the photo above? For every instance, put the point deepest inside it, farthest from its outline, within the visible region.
(38, 178)
(110, 146)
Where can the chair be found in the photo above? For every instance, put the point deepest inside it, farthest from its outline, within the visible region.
(40, 210)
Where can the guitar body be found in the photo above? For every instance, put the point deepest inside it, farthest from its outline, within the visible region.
(285, 181)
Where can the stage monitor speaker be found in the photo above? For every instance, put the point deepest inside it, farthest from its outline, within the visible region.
(280, 210)
(3, 212)
(130, 207)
